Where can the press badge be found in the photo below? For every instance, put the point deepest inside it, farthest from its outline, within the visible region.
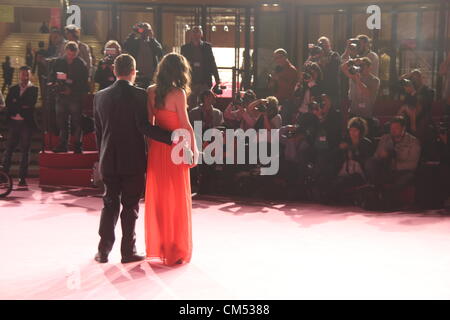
(322, 138)
(362, 105)
(197, 64)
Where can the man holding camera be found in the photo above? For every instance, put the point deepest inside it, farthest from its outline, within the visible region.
(360, 47)
(329, 62)
(104, 75)
(203, 65)
(284, 78)
(363, 88)
(69, 79)
(147, 51)
(20, 103)
(395, 162)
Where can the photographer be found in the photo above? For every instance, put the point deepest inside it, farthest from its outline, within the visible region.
(360, 47)
(200, 55)
(326, 140)
(393, 166)
(329, 62)
(423, 93)
(433, 174)
(206, 113)
(353, 152)
(73, 33)
(284, 78)
(147, 51)
(263, 114)
(308, 89)
(363, 89)
(69, 81)
(104, 75)
(233, 112)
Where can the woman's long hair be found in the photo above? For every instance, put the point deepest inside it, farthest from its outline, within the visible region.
(173, 71)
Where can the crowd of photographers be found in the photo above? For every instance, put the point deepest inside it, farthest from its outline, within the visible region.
(333, 149)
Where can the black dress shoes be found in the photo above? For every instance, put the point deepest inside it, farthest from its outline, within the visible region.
(133, 258)
(101, 258)
(22, 183)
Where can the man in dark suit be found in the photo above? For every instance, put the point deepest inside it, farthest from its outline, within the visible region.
(20, 103)
(147, 51)
(121, 121)
(203, 64)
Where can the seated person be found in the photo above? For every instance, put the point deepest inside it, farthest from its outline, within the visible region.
(209, 116)
(394, 164)
(260, 114)
(353, 152)
(417, 111)
(233, 112)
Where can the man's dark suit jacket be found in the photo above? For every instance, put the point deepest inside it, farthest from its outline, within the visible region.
(209, 67)
(23, 105)
(121, 121)
(131, 45)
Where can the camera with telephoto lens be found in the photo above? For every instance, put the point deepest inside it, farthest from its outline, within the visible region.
(353, 66)
(354, 44)
(110, 55)
(314, 50)
(59, 85)
(405, 83)
(262, 107)
(139, 27)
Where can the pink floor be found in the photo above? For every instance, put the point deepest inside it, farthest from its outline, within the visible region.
(242, 250)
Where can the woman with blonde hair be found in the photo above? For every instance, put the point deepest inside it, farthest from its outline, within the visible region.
(168, 204)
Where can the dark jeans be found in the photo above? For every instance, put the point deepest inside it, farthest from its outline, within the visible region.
(379, 174)
(65, 107)
(126, 190)
(19, 134)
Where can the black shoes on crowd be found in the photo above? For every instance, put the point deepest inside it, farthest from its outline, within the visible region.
(22, 182)
(132, 258)
(103, 258)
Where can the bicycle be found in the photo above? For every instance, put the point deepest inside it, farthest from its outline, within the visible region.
(6, 183)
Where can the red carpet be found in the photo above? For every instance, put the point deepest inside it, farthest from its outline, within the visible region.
(242, 249)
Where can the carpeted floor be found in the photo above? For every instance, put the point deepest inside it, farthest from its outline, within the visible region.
(242, 250)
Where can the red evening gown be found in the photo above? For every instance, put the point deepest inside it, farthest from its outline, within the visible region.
(168, 204)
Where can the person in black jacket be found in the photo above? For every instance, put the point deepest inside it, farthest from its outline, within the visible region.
(8, 73)
(40, 64)
(121, 121)
(104, 75)
(146, 50)
(353, 152)
(70, 78)
(20, 103)
(203, 64)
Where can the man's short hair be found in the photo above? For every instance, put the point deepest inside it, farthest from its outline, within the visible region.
(73, 29)
(24, 68)
(400, 120)
(72, 46)
(281, 51)
(124, 64)
(364, 38)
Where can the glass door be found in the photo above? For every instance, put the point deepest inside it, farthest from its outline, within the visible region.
(230, 31)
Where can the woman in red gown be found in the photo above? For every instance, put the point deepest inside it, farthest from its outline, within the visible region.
(168, 204)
